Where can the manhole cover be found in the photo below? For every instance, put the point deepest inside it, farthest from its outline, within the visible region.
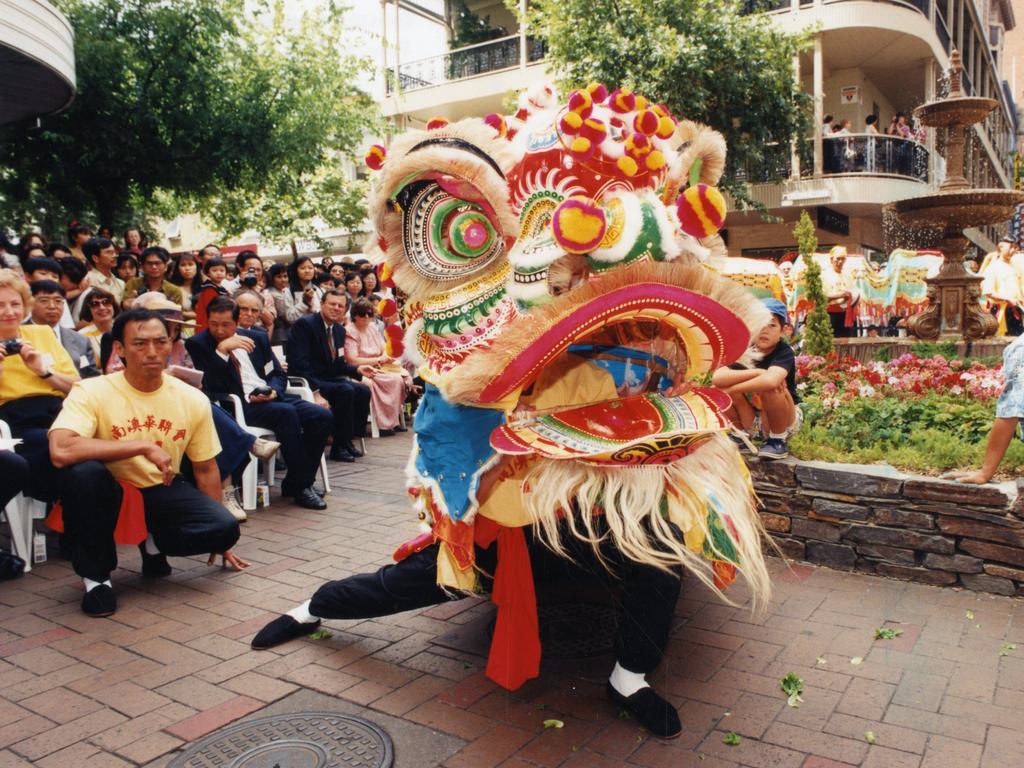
(301, 740)
(577, 630)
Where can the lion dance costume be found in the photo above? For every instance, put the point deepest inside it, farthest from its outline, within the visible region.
(558, 307)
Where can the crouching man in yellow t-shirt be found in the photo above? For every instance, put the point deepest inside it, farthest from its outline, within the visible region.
(129, 430)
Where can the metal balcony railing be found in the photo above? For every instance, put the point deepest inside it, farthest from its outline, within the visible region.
(859, 153)
(761, 6)
(874, 154)
(461, 63)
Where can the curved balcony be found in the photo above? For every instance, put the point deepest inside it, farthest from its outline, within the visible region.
(874, 154)
(854, 153)
(462, 63)
(37, 60)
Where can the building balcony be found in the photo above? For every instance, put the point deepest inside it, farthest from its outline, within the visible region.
(855, 153)
(858, 170)
(465, 81)
(37, 60)
(461, 63)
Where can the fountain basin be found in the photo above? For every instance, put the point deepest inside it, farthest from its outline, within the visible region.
(958, 210)
(956, 111)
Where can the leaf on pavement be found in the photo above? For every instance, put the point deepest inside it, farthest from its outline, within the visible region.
(887, 633)
(554, 724)
(732, 739)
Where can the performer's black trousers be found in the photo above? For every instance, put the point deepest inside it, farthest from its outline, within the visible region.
(181, 519)
(648, 595)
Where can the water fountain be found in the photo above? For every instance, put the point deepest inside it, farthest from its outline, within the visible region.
(954, 310)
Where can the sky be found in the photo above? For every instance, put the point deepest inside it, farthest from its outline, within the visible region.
(418, 37)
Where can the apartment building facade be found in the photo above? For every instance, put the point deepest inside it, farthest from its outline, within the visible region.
(869, 57)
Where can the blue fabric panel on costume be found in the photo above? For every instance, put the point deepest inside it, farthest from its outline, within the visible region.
(454, 442)
(630, 368)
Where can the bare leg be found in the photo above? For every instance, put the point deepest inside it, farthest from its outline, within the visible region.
(741, 414)
(779, 411)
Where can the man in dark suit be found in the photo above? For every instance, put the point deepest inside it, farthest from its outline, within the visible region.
(48, 306)
(235, 361)
(316, 351)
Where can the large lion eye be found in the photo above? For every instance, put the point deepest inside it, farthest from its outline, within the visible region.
(446, 238)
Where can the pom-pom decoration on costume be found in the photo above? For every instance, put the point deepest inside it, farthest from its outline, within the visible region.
(375, 156)
(701, 211)
(557, 297)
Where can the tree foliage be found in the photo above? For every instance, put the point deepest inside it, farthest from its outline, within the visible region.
(212, 104)
(818, 328)
(706, 61)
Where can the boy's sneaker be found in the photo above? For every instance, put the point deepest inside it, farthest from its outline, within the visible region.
(774, 448)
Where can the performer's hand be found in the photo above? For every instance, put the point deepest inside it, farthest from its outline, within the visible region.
(973, 477)
(367, 370)
(319, 400)
(161, 460)
(679, 386)
(230, 560)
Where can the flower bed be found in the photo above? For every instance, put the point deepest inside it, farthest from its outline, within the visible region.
(925, 414)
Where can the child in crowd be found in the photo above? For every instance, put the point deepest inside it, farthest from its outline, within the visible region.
(215, 273)
(764, 398)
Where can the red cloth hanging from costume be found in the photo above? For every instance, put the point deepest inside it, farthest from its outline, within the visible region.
(131, 520)
(515, 649)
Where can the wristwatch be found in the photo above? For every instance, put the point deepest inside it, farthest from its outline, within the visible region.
(47, 374)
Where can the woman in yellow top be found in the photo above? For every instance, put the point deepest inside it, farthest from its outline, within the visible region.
(35, 375)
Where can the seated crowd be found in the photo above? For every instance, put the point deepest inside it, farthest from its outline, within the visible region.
(120, 372)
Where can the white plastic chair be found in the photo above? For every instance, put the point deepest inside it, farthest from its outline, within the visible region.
(20, 512)
(372, 419)
(250, 474)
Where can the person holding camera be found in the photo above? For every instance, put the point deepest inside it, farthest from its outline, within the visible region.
(36, 373)
(236, 361)
(307, 293)
(153, 279)
(251, 279)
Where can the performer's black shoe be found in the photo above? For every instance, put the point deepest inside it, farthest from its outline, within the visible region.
(154, 566)
(350, 446)
(281, 630)
(99, 601)
(650, 710)
(307, 498)
(340, 454)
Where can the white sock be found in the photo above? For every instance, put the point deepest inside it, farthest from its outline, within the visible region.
(90, 585)
(151, 548)
(776, 435)
(625, 682)
(302, 615)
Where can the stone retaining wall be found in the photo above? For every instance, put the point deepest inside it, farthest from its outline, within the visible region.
(878, 520)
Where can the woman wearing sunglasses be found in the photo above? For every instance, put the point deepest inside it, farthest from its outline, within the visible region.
(99, 311)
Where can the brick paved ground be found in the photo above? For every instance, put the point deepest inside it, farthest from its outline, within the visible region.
(174, 663)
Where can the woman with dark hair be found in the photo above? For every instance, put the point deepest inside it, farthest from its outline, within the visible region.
(353, 287)
(305, 291)
(132, 241)
(371, 285)
(99, 310)
(288, 311)
(365, 345)
(185, 275)
(78, 235)
(28, 241)
(127, 266)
